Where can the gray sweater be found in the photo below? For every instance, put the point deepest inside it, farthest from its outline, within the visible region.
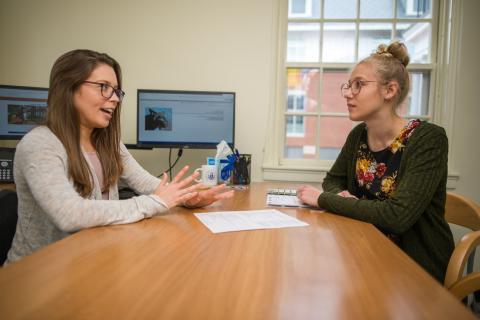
(50, 209)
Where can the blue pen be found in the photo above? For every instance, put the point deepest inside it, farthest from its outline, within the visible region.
(236, 153)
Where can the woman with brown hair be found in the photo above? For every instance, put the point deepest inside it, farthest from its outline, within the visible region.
(67, 172)
(391, 172)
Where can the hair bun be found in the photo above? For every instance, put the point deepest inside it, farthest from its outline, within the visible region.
(396, 50)
(383, 50)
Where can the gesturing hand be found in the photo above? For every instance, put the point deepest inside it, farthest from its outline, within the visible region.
(178, 191)
(309, 195)
(209, 196)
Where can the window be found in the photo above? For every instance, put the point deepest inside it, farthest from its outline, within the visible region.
(303, 8)
(323, 40)
(295, 102)
(296, 99)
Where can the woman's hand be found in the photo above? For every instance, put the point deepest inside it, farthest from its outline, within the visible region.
(178, 191)
(209, 196)
(309, 195)
(346, 194)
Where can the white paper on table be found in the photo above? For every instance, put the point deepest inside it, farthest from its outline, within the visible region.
(227, 221)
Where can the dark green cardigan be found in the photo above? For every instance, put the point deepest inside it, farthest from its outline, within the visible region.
(416, 212)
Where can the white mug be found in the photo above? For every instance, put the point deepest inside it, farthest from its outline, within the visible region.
(209, 175)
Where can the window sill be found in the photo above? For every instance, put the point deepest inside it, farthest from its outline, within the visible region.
(317, 174)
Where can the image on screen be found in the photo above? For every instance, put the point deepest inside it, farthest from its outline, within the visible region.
(185, 119)
(158, 119)
(21, 109)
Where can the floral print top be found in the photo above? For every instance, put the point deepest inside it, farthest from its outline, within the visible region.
(376, 172)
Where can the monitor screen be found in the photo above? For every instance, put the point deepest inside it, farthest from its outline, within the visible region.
(185, 119)
(21, 109)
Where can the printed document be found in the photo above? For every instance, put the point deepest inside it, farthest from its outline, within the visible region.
(284, 201)
(284, 198)
(227, 221)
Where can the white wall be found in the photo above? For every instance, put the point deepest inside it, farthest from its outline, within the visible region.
(200, 45)
(216, 45)
(464, 143)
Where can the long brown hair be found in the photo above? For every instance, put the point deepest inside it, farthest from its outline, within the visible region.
(68, 73)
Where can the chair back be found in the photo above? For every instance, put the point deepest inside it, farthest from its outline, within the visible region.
(8, 221)
(461, 286)
(462, 211)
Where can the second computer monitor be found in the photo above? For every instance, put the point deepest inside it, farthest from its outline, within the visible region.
(21, 109)
(185, 119)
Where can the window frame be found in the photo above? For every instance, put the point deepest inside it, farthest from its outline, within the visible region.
(445, 27)
(324, 66)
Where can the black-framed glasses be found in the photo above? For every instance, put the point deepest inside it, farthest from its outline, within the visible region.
(355, 86)
(107, 90)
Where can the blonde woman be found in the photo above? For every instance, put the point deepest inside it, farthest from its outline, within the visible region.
(391, 172)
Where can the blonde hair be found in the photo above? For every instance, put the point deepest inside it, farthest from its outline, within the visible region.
(390, 63)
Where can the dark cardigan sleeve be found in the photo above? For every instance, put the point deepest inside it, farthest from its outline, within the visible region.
(425, 164)
(337, 177)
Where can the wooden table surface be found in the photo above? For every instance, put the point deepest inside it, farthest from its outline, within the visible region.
(8, 186)
(173, 267)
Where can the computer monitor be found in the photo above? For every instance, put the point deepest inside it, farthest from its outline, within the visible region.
(185, 119)
(21, 109)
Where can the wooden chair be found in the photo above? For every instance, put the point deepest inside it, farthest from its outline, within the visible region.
(464, 212)
(458, 285)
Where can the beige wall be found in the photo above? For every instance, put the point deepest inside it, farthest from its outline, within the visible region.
(200, 45)
(464, 142)
(212, 45)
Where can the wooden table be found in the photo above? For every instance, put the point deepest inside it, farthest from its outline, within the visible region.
(8, 186)
(173, 267)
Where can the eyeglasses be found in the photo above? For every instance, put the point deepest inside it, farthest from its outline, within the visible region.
(108, 91)
(355, 86)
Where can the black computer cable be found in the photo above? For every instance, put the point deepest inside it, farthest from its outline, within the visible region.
(170, 165)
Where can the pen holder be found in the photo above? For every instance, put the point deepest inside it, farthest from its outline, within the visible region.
(241, 169)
